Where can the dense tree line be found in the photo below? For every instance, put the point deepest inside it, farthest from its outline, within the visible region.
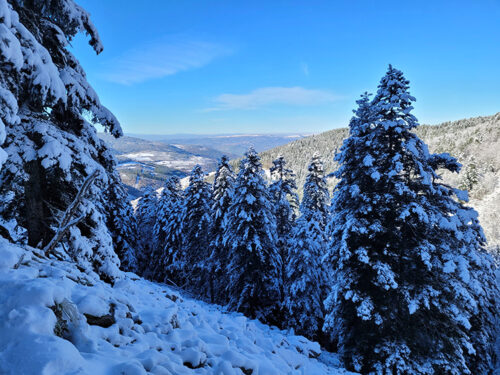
(392, 272)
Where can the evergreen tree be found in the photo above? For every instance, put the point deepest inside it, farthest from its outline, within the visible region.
(162, 210)
(52, 147)
(146, 220)
(481, 280)
(11, 76)
(173, 260)
(470, 176)
(223, 190)
(158, 235)
(316, 197)
(254, 267)
(307, 278)
(167, 231)
(406, 253)
(196, 231)
(284, 201)
(123, 226)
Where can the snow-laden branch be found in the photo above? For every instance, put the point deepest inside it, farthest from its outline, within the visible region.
(67, 220)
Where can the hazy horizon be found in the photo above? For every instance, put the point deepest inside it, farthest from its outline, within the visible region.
(250, 133)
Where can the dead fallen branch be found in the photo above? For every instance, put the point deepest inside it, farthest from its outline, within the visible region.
(68, 220)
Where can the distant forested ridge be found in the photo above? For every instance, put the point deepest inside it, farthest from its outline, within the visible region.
(475, 142)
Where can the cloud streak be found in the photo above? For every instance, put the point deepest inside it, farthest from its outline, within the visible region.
(266, 96)
(305, 69)
(162, 58)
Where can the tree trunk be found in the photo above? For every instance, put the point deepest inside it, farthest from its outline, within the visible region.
(33, 196)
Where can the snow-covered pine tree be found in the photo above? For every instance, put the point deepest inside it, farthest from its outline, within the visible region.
(196, 230)
(51, 146)
(316, 199)
(306, 276)
(161, 221)
(11, 77)
(122, 225)
(407, 275)
(174, 243)
(167, 231)
(284, 200)
(254, 267)
(470, 176)
(481, 280)
(222, 193)
(12, 44)
(146, 220)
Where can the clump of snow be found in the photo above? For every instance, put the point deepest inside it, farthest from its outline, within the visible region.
(155, 330)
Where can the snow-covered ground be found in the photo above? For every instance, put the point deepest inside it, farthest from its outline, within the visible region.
(151, 328)
(167, 159)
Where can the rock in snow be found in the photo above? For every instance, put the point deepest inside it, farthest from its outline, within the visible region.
(45, 306)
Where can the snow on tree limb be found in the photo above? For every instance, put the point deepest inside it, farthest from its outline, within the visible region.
(66, 222)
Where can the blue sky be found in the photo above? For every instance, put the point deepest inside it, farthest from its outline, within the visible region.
(287, 66)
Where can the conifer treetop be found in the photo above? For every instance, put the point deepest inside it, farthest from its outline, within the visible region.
(316, 194)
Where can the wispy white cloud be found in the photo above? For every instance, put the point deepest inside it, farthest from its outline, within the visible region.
(162, 58)
(305, 69)
(266, 96)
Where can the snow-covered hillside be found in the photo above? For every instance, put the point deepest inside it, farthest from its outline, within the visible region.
(475, 142)
(144, 163)
(150, 328)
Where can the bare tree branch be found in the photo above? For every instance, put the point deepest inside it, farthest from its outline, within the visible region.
(66, 221)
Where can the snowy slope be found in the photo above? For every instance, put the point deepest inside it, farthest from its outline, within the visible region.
(156, 330)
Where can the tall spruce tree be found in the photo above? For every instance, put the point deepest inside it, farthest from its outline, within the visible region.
(146, 220)
(52, 147)
(122, 225)
(197, 225)
(481, 280)
(173, 260)
(167, 230)
(284, 201)
(161, 217)
(316, 199)
(158, 234)
(223, 190)
(407, 254)
(307, 278)
(254, 267)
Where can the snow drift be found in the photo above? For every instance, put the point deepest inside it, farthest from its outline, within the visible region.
(58, 320)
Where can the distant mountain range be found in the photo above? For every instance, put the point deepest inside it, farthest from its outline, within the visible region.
(147, 160)
(233, 145)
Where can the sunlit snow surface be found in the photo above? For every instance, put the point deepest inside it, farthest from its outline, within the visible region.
(157, 331)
